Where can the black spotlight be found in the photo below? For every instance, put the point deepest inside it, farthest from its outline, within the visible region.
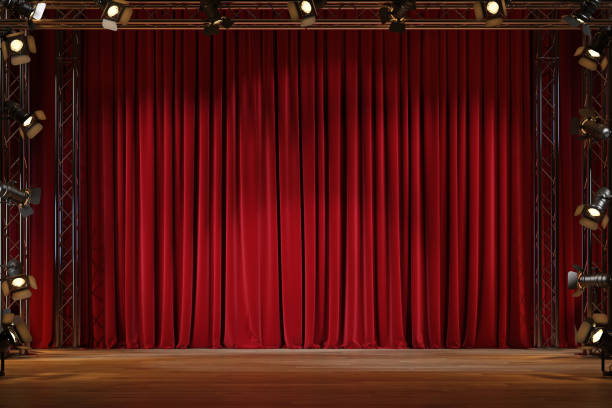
(396, 14)
(592, 55)
(114, 12)
(29, 123)
(578, 280)
(588, 327)
(23, 198)
(215, 19)
(594, 214)
(494, 11)
(25, 9)
(584, 14)
(590, 125)
(305, 11)
(17, 284)
(17, 47)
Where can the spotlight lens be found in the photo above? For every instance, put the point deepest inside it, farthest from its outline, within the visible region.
(594, 212)
(16, 45)
(112, 11)
(18, 282)
(28, 121)
(597, 336)
(492, 7)
(306, 7)
(593, 53)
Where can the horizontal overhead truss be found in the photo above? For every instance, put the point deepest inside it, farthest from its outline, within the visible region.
(273, 15)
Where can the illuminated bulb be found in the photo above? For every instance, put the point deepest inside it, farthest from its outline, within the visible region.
(306, 7)
(597, 336)
(594, 212)
(28, 121)
(16, 45)
(18, 282)
(112, 11)
(493, 7)
(594, 53)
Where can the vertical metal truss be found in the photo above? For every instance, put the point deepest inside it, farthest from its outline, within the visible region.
(14, 170)
(595, 174)
(67, 133)
(546, 194)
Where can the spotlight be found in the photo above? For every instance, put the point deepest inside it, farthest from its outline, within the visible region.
(22, 198)
(215, 19)
(18, 47)
(306, 11)
(589, 125)
(494, 11)
(592, 55)
(594, 214)
(577, 280)
(25, 9)
(588, 327)
(29, 123)
(396, 14)
(584, 14)
(17, 285)
(114, 12)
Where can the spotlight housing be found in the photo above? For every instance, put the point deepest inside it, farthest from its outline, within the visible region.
(592, 56)
(25, 9)
(589, 326)
(595, 214)
(22, 198)
(590, 125)
(17, 47)
(584, 14)
(114, 13)
(29, 123)
(602, 338)
(579, 281)
(493, 11)
(215, 19)
(17, 284)
(305, 11)
(396, 14)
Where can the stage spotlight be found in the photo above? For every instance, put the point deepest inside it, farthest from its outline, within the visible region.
(592, 55)
(584, 14)
(306, 11)
(396, 14)
(22, 198)
(114, 12)
(494, 11)
(29, 123)
(17, 47)
(577, 280)
(589, 126)
(594, 214)
(25, 9)
(588, 327)
(17, 285)
(215, 19)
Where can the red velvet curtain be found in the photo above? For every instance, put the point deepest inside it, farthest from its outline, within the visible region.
(311, 189)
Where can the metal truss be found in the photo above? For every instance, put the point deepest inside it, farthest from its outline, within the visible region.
(14, 170)
(596, 174)
(273, 15)
(546, 223)
(67, 132)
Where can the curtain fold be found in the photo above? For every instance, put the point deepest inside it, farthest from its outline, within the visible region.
(307, 189)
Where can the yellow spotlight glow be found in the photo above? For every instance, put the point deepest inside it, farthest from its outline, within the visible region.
(492, 7)
(16, 45)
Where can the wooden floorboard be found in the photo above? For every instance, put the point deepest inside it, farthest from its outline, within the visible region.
(317, 378)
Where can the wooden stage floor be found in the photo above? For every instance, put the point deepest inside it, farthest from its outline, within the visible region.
(318, 378)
